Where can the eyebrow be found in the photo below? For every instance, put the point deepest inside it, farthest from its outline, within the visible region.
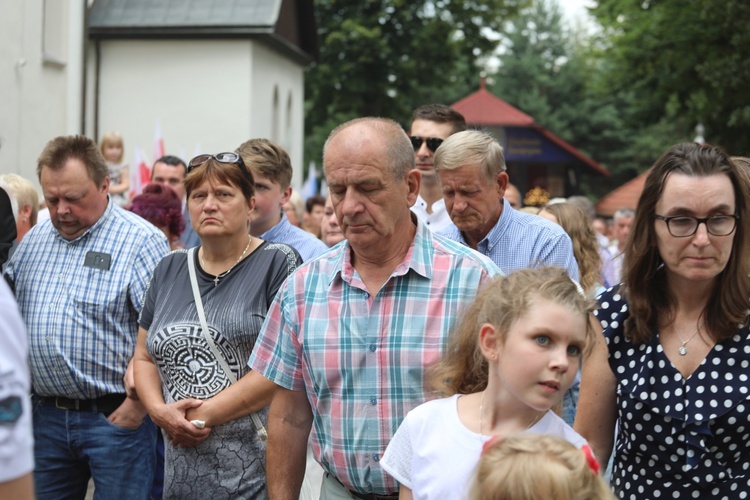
(685, 210)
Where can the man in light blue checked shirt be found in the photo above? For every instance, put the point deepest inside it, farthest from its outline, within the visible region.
(80, 278)
(471, 169)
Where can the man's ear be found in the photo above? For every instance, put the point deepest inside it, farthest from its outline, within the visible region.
(285, 195)
(502, 183)
(413, 181)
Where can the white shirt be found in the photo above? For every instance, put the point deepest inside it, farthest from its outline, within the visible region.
(434, 454)
(438, 219)
(16, 438)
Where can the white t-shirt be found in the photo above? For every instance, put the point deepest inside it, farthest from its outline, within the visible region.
(16, 439)
(435, 455)
(438, 219)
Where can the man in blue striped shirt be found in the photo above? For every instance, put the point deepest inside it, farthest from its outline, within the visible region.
(272, 172)
(471, 169)
(80, 278)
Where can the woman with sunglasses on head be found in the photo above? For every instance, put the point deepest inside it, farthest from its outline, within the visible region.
(200, 320)
(671, 368)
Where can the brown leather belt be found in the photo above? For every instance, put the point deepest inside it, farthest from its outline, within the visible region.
(105, 404)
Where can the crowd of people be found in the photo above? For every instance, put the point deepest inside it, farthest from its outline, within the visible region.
(414, 333)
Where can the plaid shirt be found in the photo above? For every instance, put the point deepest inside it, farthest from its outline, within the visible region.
(362, 358)
(521, 240)
(82, 321)
(306, 244)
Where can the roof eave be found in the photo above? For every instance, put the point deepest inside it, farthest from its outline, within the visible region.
(571, 150)
(264, 34)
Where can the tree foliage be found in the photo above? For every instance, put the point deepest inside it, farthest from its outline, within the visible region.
(562, 79)
(683, 59)
(386, 57)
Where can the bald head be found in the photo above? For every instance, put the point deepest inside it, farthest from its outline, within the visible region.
(387, 134)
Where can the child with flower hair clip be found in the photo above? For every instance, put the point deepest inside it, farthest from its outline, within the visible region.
(534, 466)
(512, 356)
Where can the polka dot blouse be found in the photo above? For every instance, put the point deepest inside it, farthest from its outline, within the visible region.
(678, 438)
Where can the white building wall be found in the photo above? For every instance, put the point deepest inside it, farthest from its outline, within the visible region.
(207, 95)
(277, 94)
(40, 78)
(194, 90)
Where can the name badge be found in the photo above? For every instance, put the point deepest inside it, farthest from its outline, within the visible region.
(98, 260)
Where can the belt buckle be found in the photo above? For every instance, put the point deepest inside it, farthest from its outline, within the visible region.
(60, 406)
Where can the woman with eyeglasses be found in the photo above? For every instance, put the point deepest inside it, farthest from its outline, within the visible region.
(200, 320)
(672, 367)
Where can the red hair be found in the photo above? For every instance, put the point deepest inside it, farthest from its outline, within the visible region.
(160, 205)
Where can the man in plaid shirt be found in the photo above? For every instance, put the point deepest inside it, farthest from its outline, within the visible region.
(350, 334)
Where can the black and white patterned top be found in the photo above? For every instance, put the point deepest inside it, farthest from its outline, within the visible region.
(678, 438)
(231, 462)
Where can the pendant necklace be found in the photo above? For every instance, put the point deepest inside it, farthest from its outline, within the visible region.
(682, 349)
(481, 407)
(221, 275)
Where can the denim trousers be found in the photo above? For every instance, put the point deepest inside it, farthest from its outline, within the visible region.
(70, 447)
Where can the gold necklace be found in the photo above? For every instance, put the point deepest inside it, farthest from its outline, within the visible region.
(481, 408)
(221, 275)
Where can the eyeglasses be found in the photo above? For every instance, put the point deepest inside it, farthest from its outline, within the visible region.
(233, 158)
(432, 142)
(682, 226)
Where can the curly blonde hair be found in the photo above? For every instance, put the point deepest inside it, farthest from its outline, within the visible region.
(533, 466)
(585, 247)
(463, 369)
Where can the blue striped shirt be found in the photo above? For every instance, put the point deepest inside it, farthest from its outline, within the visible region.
(306, 244)
(520, 240)
(83, 321)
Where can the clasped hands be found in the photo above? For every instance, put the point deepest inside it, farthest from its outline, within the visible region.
(175, 418)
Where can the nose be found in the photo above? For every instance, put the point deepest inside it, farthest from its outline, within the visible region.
(459, 204)
(424, 151)
(209, 204)
(559, 360)
(62, 208)
(332, 220)
(350, 203)
(701, 237)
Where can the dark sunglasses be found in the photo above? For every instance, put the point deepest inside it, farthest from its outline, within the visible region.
(233, 158)
(432, 142)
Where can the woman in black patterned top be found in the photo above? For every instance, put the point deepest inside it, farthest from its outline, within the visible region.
(176, 366)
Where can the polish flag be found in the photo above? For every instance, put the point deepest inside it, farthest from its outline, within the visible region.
(158, 142)
(140, 174)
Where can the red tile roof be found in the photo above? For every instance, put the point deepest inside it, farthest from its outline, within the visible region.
(485, 109)
(625, 196)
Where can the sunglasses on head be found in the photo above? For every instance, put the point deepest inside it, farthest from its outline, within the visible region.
(432, 142)
(233, 158)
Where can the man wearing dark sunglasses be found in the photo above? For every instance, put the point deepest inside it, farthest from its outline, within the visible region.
(431, 125)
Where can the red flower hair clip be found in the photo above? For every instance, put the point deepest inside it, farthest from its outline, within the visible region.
(591, 459)
(490, 443)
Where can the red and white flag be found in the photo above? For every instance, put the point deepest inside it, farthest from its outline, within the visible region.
(158, 142)
(140, 174)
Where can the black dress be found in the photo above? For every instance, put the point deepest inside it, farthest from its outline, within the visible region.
(678, 438)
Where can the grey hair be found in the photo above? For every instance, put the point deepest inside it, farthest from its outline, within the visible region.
(623, 213)
(471, 147)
